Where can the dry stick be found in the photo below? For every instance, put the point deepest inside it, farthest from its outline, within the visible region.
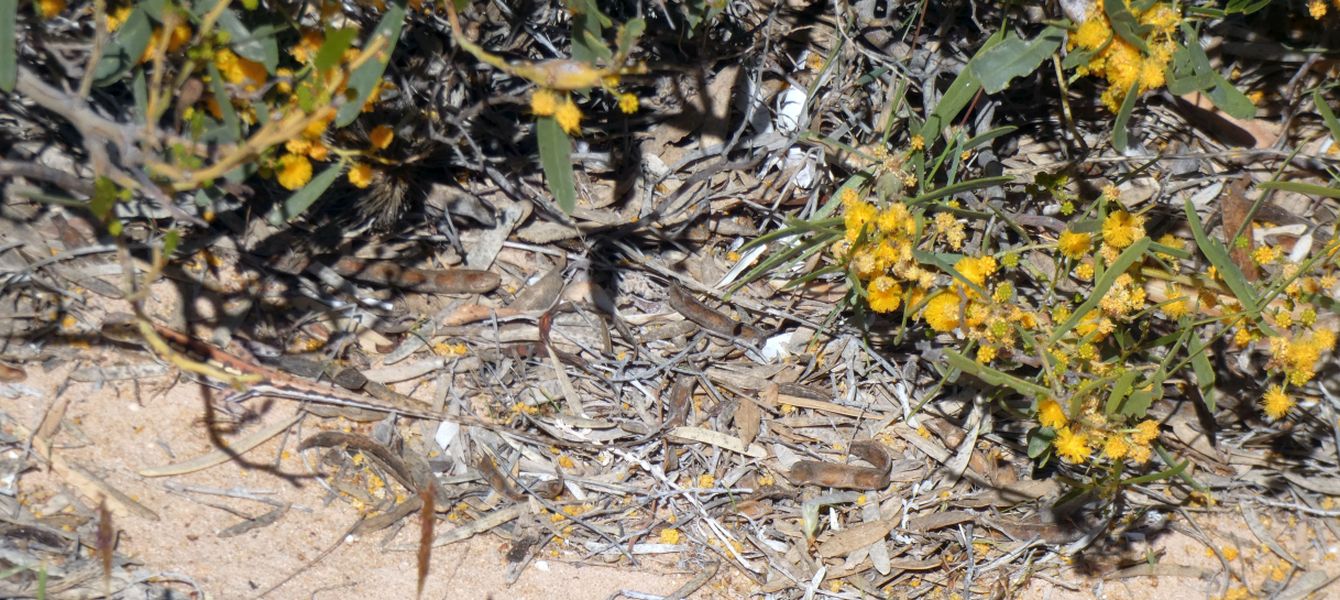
(99, 41)
(95, 129)
(61, 179)
(426, 521)
(98, 131)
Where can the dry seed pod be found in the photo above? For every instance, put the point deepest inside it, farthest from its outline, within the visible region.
(847, 477)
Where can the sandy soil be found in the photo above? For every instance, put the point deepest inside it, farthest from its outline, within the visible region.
(124, 427)
(118, 428)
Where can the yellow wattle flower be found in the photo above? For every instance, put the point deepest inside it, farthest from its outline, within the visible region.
(360, 176)
(569, 116)
(294, 171)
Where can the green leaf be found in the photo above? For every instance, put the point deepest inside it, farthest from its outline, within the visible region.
(960, 187)
(1081, 56)
(1165, 474)
(984, 137)
(302, 199)
(1228, 270)
(259, 45)
(1307, 189)
(556, 159)
(170, 241)
(1039, 441)
(139, 91)
(125, 50)
(855, 182)
(1121, 388)
(945, 262)
(1137, 405)
(369, 75)
(1128, 257)
(994, 376)
(1200, 365)
(796, 253)
(154, 8)
(1222, 93)
(1124, 117)
(1125, 25)
(628, 35)
(9, 58)
(231, 131)
(1323, 109)
(961, 91)
(1014, 57)
(1245, 7)
(337, 41)
(1182, 74)
(588, 23)
(104, 198)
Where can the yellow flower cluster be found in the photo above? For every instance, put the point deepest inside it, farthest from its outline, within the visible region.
(549, 103)
(50, 8)
(1122, 64)
(1297, 357)
(1075, 440)
(877, 247)
(239, 71)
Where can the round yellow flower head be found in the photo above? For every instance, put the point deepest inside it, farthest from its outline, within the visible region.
(1145, 432)
(942, 312)
(1116, 447)
(884, 294)
(1276, 403)
(381, 136)
(628, 103)
(50, 8)
(569, 116)
(294, 171)
(1074, 245)
(360, 176)
(1072, 447)
(1051, 415)
(1121, 229)
(976, 269)
(543, 102)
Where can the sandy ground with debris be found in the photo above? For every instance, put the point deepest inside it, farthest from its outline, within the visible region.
(117, 429)
(120, 428)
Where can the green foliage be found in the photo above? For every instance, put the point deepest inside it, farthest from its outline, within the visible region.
(1191, 71)
(556, 160)
(125, 50)
(298, 202)
(366, 77)
(9, 67)
(1014, 57)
